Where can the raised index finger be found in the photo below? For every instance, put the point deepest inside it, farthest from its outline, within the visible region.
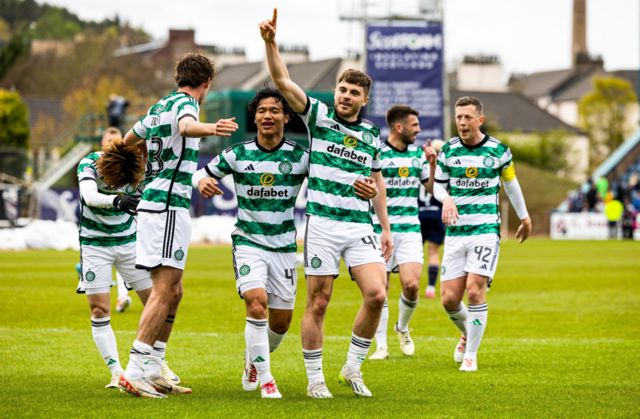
(275, 16)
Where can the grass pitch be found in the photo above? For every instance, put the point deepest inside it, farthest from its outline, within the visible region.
(561, 341)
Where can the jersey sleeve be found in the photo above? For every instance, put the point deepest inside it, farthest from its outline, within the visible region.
(376, 165)
(140, 128)
(221, 165)
(87, 170)
(442, 170)
(507, 171)
(313, 109)
(187, 108)
(425, 173)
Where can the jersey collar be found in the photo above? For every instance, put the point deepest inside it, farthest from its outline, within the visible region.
(266, 150)
(391, 146)
(480, 144)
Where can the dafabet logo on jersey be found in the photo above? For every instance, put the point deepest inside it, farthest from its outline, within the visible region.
(267, 179)
(471, 172)
(350, 142)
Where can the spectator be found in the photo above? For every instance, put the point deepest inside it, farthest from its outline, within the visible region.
(591, 196)
(116, 110)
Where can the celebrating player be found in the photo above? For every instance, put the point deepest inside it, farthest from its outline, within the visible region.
(472, 166)
(123, 301)
(344, 147)
(404, 168)
(170, 132)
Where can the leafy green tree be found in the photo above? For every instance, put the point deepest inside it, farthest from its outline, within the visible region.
(14, 123)
(603, 116)
(57, 23)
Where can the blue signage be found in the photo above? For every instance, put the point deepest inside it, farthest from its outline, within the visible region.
(405, 61)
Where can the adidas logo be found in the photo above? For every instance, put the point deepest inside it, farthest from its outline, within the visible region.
(458, 162)
(258, 359)
(391, 164)
(484, 267)
(249, 168)
(335, 127)
(476, 322)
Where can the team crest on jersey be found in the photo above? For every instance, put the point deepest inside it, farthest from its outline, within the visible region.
(471, 172)
(267, 179)
(179, 254)
(155, 120)
(415, 163)
(367, 137)
(403, 172)
(350, 142)
(316, 262)
(244, 270)
(488, 161)
(285, 167)
(89, 171)
(89, 276)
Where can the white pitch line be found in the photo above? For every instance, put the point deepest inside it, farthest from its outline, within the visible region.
(178, 333)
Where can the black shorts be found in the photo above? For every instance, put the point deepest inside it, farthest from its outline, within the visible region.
(432, 229)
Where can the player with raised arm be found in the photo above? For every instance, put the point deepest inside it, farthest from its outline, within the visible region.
(344, 147)
(170, 132)
(472, 165)
(404, 168)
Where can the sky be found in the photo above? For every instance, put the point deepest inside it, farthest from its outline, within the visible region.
(527, 36)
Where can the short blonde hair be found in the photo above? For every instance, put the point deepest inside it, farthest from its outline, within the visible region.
(121, 164)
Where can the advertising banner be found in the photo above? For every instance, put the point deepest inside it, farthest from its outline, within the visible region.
(405, 61)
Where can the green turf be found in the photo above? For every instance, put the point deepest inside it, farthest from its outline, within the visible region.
(561, 341)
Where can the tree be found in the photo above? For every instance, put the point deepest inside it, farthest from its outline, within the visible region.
(603, 116)
(14, 123)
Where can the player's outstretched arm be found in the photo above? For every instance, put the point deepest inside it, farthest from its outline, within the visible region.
(206, 185)
(296, 97)
(189, 127)
(380, 207)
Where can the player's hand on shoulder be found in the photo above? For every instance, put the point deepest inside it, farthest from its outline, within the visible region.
(208, 187)
(225, 127)
(524, 230)
(365, 188)
(449, 212)
(268, 27)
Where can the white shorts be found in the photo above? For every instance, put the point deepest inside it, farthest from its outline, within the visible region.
(163, 239)
(274, 272)
(407, 247)
(470, 254)
(97, 263)
(326, 240)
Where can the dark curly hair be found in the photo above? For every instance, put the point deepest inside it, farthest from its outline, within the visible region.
(121, 164)
(264, 93)
(194, 69)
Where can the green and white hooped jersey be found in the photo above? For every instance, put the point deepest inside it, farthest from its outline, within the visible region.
(267, 184)
(172, 158)
(103, 226)
(403, 172)
(473, 175)
(341, 152)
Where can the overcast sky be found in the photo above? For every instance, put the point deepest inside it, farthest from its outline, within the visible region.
(527, 35)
